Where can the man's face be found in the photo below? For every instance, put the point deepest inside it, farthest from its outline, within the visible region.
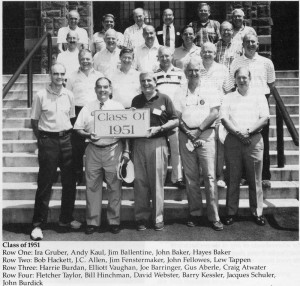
(110, 41)
(203, 13)
(207, 54)
(168, 17)
(102, 90)
(138, 17)
(188, 36)
(86, 62)
(250, 45)
(73, 19)
(126, 59)
(238, 19)
(148, 84)
(165, 59)
(242, 79)
(108, 23)
(226, 32)
(58, 75)
(193, 72)
(72, 40)
(149, 35)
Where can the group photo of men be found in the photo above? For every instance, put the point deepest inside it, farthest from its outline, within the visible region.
(207, 91)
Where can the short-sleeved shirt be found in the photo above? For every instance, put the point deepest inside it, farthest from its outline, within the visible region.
(216, 77)
(196, 106)
(226, 53)
(133, 36)
(53, 110)
(172, 83)
(244, 110)
(70, 61)
(83, 87)
(98, 40)
(182, 56)
(125, 86)
(107, 62)
(82, 35)
(206, 32)
(238, 35)
(85, 119)
(161, 109)
(261, 68)
(146, 59)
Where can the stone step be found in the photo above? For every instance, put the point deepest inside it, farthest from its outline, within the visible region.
(16, 112)
(23, 78)
(29, 174)
(22, 211)
(19, 94)
(26, 191)
(287, 99)
(287, 74)
(291, 109)
(16, 123)
(288, 144)
(288, 90)
(294, 117)
(8, 103)
(273, 130)
(30, 159)
(37, 85)
(18, 134)
(287, 82)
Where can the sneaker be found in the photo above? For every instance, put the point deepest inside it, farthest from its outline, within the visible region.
(73, 224)
(221, 184)
(217, 225)
(159, 226)
(266, 184)
(36, 234)
(141, 225)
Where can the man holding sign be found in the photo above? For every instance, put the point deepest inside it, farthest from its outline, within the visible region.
(102, 157)
(151, 153)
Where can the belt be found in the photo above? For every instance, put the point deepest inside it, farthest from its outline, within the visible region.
(55, 134)
(105, 146)
(212, 127)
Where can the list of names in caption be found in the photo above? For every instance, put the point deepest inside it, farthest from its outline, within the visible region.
(30, 264)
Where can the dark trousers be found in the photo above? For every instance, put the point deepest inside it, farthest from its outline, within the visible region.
(78, 145)
(54, 152)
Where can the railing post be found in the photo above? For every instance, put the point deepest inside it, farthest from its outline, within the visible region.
(49, 47)
(29, 83)
(280, 141)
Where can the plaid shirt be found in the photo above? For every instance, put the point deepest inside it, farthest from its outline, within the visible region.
(226, 53)
(208, 32)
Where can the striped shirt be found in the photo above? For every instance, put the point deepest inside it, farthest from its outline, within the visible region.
(226, 53)
(261, 68)
(207, 32)
(172, 83)
(216, 77)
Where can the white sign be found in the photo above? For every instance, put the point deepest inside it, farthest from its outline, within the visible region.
(122, 123)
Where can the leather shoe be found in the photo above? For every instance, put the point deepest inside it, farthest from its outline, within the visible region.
(114, 228)
(180, 185)
(260, 220)
(193, 221)
(141, 225)
(90, 229)
(229, 220)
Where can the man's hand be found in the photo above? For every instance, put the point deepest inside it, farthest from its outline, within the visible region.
(94, 137)
(153, 131)
(193, 134)
(198, 143)
(244, 137)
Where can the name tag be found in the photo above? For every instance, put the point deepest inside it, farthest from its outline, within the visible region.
(157, 112)
(159, 32)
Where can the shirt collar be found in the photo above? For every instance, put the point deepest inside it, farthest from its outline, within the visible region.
(254, 58)
(50, 90)
(171, 68)
(136, 26)
(155, 45)
(192, 49)
(203, 24)
(171, 25)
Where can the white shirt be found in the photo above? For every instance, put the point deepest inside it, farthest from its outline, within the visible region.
(107, 62)
(261, 68)
(146, 59)
(83, 87)
(85, 120)
(238, 35)
(125, 86)
(98, 40)
(195, 107)
(82, 34)
(133, 36)
(182, 56)
(69, 60)
(244, 111)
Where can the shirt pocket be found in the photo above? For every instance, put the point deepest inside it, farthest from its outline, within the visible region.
(63, 105)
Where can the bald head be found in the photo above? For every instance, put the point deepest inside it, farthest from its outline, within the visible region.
(168, 17)
(138, 16)
(237, 18)
(149, 35)
(110, 39)
(73, 19)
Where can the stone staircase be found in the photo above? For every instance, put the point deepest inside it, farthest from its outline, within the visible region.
(20, 164)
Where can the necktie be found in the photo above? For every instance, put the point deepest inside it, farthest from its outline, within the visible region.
(101, 105)
(168, 36)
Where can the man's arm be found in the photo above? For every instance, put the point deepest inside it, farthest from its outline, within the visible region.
(34, 125)
(271, 86)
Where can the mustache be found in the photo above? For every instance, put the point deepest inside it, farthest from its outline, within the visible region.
(72, 42)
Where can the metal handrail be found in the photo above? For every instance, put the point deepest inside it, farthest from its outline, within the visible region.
(283, 115)
(28, 62)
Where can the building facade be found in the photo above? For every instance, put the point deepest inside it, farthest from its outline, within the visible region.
(25, 22)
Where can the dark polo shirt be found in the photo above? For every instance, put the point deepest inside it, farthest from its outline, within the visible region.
(161, 109)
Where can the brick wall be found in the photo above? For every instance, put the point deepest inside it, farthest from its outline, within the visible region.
(257, 15)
